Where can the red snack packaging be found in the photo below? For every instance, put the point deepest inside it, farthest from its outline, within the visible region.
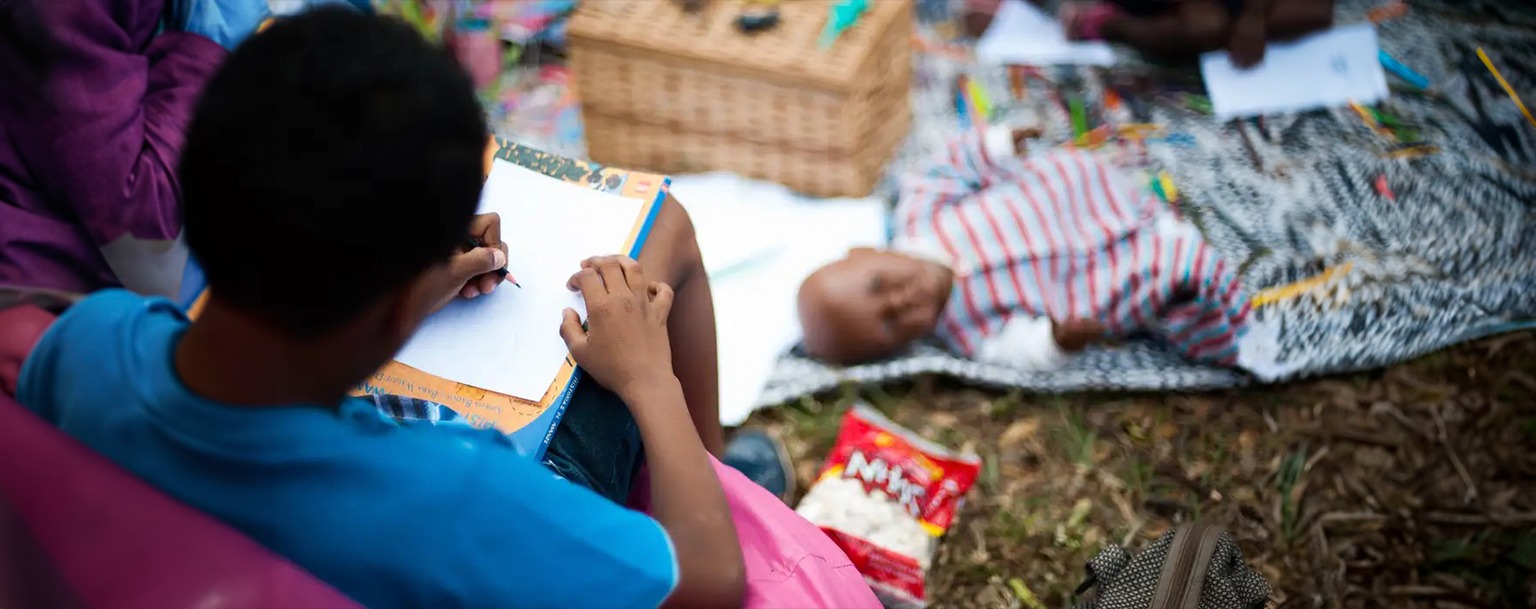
(886, 496)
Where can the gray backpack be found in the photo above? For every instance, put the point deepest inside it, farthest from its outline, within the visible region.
(1195, 566)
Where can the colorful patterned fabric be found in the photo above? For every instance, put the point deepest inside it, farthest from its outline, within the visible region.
(1062, 235)
(1362, 257)
(415, 410)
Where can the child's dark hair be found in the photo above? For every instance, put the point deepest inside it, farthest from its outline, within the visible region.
(334, 157)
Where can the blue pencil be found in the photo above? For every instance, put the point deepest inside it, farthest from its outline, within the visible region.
(1402, 71)
(960, 105)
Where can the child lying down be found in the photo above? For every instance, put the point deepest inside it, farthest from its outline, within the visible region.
(1022, 260)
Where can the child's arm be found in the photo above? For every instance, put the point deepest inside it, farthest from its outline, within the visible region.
(1250, 33)
(99, 122)
(627, 350)
(965, 168)
(687, 499)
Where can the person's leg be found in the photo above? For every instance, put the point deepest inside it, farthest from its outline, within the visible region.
(672, 255)
(1190, 28)
(597, 444)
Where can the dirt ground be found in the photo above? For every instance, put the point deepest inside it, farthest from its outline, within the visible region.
(1410, 487)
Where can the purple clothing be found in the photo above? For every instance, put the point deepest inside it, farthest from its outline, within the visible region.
(89, 158)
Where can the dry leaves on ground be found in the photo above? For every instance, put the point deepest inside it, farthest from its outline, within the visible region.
(1410, 487)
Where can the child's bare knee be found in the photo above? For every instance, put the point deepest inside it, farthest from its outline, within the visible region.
(671, 253)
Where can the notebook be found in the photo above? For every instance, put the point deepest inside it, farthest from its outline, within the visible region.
(498, 360)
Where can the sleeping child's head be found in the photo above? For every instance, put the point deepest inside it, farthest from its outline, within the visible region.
(871, 304)
(332, 167)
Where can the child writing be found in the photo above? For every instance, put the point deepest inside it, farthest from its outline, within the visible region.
(333, 165)
(1022, 260)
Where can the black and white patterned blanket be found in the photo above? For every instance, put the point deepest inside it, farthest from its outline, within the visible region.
(1448, 256)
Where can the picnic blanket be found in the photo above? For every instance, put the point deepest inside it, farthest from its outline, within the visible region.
(1362, 259)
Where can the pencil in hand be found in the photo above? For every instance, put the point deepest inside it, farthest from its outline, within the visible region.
(471, 243)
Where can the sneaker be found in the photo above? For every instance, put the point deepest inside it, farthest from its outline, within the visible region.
(763, 460)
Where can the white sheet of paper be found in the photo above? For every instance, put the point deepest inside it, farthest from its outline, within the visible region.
(789, 237)
(1328, 69)
(509, 341)
(1022, 34)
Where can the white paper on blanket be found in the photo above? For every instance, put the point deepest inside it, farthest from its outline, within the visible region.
(730, 231)
(1324, 70)
(1022, 34)
(509, 340)
(759, 241)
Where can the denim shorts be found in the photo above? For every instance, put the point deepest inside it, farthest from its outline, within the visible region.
(597, 444)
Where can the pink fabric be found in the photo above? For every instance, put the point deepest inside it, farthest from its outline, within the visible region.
(83, 529)
(1086, 21)
(789, 561)
(480, 52)
(22, 326)
(115, 542)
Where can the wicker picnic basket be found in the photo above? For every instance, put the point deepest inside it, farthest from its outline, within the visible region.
(666, 90)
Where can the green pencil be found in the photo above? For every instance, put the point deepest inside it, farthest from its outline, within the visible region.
(1079, 117)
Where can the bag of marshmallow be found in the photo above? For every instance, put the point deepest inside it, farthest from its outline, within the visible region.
(886, 496)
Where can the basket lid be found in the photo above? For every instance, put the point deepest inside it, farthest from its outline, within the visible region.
(790, 52)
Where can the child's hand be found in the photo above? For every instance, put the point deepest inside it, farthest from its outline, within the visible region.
(472, 273)
(625, 344)
(1021, 137)
(1074, 335)
(1248, 39)
(485, 229)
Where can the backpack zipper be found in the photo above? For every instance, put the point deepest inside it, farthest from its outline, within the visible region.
(1180, 586)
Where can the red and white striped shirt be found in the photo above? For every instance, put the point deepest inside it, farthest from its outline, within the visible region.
(1062, 235)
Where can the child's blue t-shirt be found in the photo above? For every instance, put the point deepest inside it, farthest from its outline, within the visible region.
(391, 515)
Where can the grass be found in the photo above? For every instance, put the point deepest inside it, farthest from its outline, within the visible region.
(1076, 436)
(1338, 489)
(1290, 474)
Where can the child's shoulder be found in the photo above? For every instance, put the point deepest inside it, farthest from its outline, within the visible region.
(116, 306)
(105, 319)
(94, 355)
(90, 328)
